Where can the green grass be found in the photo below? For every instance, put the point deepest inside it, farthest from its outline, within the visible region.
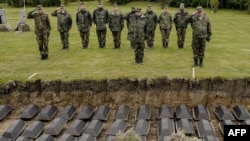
(227, 54)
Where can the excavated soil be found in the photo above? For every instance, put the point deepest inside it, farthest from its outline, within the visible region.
(132, 92)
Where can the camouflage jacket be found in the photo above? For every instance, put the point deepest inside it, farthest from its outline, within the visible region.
(152, 20)
(137, 28)
(42, 22)
(201, 27)
(180, 19)
(165, 20)
(83, 20)
(100, 18)
(64, 20)
(116, 21)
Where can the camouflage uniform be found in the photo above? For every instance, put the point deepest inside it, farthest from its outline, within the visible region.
(64, 23)
(180, 25)
(42, 30)
(165, 23)
(116, 25)
(201, 33)
(152, 22)
(138, 28)
(127, 17)
(84, 22)
(100, 19)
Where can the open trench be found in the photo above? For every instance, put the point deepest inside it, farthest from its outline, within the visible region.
(210, 92)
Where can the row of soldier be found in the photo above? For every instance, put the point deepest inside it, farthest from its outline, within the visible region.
(141, 28)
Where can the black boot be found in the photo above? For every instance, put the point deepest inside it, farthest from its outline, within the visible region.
(165, 45)
(118, 45)
(180, 46)
(150, 45)
(46, 56)
(201, 63)
(42, 56)
(115, 45)
(141, 61)
(195, 62)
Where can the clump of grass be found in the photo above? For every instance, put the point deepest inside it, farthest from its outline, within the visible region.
(181, 136)
(130, 135)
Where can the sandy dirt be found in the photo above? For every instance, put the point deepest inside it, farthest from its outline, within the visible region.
(154, 93)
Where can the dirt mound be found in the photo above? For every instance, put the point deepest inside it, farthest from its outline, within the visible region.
(132, 92)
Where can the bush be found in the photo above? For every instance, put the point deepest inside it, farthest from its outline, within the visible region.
(130, 135)
(120, 2)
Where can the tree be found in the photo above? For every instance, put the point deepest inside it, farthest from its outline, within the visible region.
(214, 5)
(165, 2)
(247, 5)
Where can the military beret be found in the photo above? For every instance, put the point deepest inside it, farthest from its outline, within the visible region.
(199, 9)
(39, 7)
(149, 5)
(138, 10)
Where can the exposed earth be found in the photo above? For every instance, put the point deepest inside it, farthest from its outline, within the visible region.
(132, 92)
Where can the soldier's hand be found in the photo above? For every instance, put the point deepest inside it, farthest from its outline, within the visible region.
(194, 13)
(208, 38)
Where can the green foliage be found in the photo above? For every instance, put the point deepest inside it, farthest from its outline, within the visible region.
(195, 3)
(120, 2)
(130, 135)
(176, 3)
(181, 136)
(232, 4)
(247, 5)
(214, 5)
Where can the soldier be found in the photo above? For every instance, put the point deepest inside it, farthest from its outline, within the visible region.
(84, 23)
(180, 25)
(152, 22)
(100, 19)
(42, 30)
(201, 33)
(165, 23)
(64, 23)
(138, 26)
(131, 13)
(116, 25)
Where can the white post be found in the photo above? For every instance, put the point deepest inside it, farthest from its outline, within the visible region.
(193, 73)
(24, 5)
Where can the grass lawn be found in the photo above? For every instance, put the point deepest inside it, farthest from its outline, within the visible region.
(227, 54)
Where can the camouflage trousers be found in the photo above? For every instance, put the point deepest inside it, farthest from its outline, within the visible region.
(116, 38)
(43, 41)
(64, 39)
(150, 38)
(181, 33)
(165, 32)
(139, 51)
(101, 34)
(131, 42)
(85, 38)
(198, 46)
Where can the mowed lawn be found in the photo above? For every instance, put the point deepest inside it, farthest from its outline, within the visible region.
(227, 54)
